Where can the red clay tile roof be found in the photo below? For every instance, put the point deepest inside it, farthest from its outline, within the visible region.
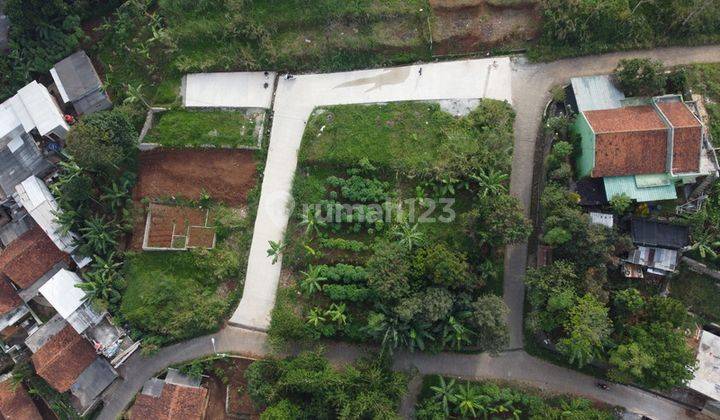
(175, 402)
(62, 359)
(687, 143)
(9, 298)
(688, 136)
(679, 114)
(30, 256)
(628, 141)
(631, 118)
(15, 403)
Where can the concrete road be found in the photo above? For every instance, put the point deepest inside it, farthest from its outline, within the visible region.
(295, 99)
(515, 366)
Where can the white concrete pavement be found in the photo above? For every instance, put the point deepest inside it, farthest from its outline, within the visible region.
(295, 100)
(228, 90)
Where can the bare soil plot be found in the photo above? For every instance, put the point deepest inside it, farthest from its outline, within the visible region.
(465, 26)
(226, 175)
(227, 384)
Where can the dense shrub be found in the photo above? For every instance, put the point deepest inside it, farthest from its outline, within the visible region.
(347, 292)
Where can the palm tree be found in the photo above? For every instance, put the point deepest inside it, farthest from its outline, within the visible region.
(116, 195)
(491, 182)
(99, 235)
(316, 318)
(456, 334)
(106, 266)
(100, 288)
(417, 336)
(276, 249)
(312, 280)
(705, 244)
(312, 221)
(468, 400)
(65, 220)
(134, 94)
(337, 313)
(445, 393)
(409, 236)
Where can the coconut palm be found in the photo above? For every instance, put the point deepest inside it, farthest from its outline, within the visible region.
(312, 280)
(491, 182)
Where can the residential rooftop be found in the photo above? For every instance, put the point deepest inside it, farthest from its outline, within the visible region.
(29, 257)
(164, 401)
(63, 359)
(15, 402)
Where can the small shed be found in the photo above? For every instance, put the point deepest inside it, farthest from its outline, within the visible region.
(658, 261)
(78, 84)
(656, 233)
(596, 92)
(39, 202)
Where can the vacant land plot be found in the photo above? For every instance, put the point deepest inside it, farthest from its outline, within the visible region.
(173, 295)
(398, 230)
(701, 294)
(225, 175)
(192, 128)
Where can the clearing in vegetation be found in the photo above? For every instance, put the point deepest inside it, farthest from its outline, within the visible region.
(225, 175)
(397, 236)
(193, 128)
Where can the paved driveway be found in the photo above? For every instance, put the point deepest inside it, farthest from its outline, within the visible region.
(295, 99)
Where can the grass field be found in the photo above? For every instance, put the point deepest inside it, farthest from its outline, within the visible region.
(189, 128)
(699, 293)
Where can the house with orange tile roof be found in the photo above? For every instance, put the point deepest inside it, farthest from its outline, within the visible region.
(175, 397)
(640, 147)
(15, 401)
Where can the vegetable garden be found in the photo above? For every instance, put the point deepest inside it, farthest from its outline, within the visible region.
(402, 213)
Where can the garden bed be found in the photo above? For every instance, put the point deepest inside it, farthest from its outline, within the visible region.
(398, 232)
(206, 128)
(225, 175)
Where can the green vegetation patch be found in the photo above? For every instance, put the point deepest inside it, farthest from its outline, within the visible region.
(416, 138)
(402, 213)
(193, 128)
(450, 398)
(175, 295)
(700, 293)
(148, 44)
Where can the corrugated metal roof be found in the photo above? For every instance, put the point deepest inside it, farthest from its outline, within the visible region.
(618, 185)
(595, 93)
(37, 199)
(62, 294)
(602, 219)
(42, 108)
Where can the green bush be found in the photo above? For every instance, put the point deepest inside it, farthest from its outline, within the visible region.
(620, 203)
(347, 292)
(344, 273)
(556, 236)
(640, 77)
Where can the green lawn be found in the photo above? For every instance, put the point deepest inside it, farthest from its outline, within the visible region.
(699, 293)
(192, 128)
(411, 137)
